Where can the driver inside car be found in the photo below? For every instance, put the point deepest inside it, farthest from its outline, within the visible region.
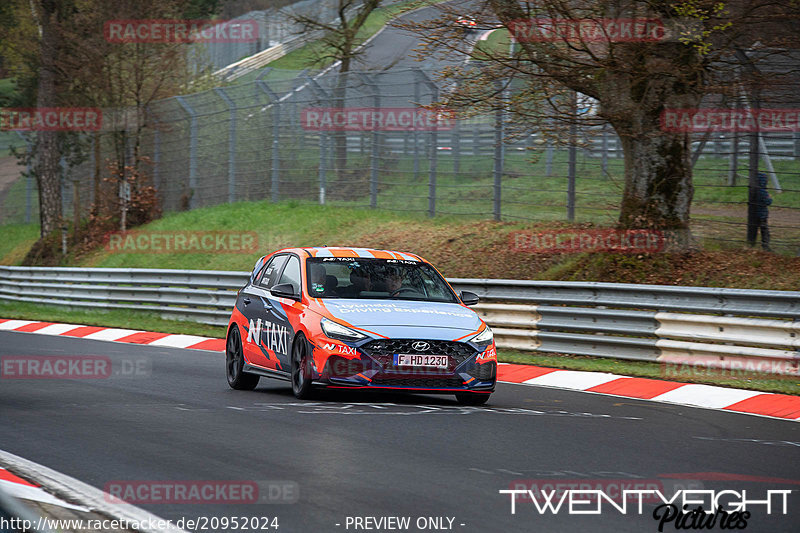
(394, 281)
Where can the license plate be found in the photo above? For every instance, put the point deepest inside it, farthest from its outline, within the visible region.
(434, 361)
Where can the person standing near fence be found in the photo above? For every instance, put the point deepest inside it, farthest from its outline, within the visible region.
(763, 200)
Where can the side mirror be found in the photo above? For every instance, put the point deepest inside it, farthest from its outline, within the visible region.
(285, 290)
(468, 298)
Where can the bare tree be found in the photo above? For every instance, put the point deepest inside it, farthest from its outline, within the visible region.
(340, 44)
(683, 53)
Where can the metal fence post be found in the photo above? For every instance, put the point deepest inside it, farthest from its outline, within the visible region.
(28, 178)
(573, 153)
(373, 170)
(499, 154)
(296, 83)
(62, 163)
(733, 163)
(604, 148)
(157, 158)
(417, 98)
(276, 129)
(455, 137)
(231, 144)
(548, 158)
(434, 142)
(192, 150)
(323, 140)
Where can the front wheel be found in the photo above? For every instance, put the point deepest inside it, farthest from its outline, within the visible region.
(472, 398)
(301, 369)
(234, 363)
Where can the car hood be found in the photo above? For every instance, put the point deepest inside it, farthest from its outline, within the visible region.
(406, 318)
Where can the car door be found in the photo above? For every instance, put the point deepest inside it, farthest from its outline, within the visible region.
(256, 308)
(282, 314)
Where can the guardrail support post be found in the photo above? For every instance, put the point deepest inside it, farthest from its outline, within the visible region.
(231, 144)
(192, 150)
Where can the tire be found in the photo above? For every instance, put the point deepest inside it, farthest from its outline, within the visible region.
(301, 369)
(472, 398)
(234, 363)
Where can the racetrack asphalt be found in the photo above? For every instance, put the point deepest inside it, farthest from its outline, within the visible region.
(167, 414)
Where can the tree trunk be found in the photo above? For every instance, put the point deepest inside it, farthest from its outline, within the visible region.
(658, 176)
(48, 170)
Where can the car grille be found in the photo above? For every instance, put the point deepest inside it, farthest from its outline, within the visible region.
(484, 372)
(433, 383)
(384, 350)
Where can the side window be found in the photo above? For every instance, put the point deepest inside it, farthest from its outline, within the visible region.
(291, 274)
(269, 275)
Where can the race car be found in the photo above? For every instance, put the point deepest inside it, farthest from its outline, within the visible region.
(358, 318)
(467, 23)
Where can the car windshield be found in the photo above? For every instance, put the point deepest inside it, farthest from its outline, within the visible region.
(346, 277)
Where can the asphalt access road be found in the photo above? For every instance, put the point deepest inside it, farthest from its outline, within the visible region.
(358, 455)
(395, 47)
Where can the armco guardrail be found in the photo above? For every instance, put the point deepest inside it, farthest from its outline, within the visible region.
(715, 327)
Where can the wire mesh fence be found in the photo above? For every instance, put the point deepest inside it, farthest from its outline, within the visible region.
(363, 141)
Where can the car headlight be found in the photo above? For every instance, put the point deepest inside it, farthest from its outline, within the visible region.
(484, 338)
(340, 332)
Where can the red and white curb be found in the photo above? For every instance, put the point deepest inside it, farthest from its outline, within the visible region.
(781, 406)
(99, 333)
(24, 490)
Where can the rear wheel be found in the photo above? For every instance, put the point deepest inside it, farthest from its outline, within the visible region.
(234, 363)
(472, 398)
(301, 368)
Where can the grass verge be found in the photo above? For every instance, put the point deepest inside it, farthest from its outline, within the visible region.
(115, 318)
(15, 241)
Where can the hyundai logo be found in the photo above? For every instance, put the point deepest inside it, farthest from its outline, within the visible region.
(420, 346)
